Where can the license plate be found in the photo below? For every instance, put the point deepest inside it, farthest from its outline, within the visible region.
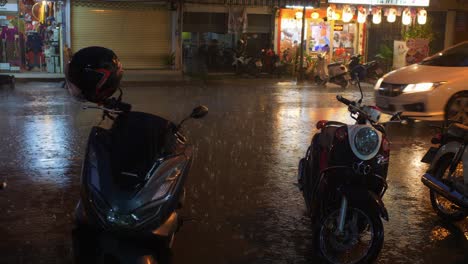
(429, 156)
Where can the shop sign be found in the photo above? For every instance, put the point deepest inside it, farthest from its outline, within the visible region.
(9, 7)
(382, 2)
(338, 27)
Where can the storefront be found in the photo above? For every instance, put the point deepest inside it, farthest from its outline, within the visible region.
(32, 36)
(211, 34)
(383, 22)
(139, 32)
(339, 38)
(342, 27)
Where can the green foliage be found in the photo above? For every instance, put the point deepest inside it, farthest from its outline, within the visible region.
(418, 31)
(385, 54)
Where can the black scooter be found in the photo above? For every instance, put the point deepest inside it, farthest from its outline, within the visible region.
(371, 70)
(133, 175)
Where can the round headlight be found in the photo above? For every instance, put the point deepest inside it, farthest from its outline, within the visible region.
(366, 141)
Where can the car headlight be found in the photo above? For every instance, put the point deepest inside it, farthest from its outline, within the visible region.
(366, 141)
(420, 87)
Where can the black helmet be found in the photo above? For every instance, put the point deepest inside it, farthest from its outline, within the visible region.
(94, 74)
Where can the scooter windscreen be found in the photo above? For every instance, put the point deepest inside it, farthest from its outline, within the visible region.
(134, 169)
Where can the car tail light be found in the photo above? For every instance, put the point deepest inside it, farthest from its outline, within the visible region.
(321, 124)
(341, 133)
(437, 139)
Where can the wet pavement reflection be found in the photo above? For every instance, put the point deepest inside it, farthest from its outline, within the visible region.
(242, 203)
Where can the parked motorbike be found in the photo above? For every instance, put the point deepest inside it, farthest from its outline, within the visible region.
(336, 73)
(133, 175)
(446, 177)
(249, 65)
(365, 71)
(343, 179)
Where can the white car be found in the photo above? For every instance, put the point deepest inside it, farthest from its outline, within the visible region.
(434, 89)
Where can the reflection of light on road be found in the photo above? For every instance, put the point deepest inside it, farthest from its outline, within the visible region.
(46, 144)
(286, 83)
(439, 233)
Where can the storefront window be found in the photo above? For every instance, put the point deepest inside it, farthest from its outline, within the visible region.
(344, 41)
(31, 37)
(290, 36)
(319, 40)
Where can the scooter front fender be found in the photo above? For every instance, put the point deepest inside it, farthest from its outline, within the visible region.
(366, 198)
(450, 148)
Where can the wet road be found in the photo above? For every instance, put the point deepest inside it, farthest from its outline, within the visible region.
(240, 192)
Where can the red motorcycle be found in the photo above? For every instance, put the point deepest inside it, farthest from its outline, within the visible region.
(343, 179)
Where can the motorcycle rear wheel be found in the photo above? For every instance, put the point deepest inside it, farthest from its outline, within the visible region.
(443, 207)
(363, 231)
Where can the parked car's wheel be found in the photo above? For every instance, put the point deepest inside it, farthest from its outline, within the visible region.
(457, 108)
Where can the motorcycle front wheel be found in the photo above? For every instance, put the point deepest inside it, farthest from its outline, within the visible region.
(443, 207)
(361, 239)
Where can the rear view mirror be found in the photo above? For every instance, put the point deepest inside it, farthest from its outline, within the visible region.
(199, 112)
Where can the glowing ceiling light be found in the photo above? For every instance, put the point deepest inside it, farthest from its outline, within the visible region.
(406, 17)
(391, 17)
(299, 15)
(422, 16)
(315, 15)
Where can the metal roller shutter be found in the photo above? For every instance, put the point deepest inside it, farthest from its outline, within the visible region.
(138, 33)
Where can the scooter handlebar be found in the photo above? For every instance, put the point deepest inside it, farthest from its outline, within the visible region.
(343, 100)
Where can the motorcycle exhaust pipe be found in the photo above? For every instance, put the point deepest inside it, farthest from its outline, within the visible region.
(443, 189)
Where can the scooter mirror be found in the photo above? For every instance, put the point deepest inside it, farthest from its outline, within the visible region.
(199, 112)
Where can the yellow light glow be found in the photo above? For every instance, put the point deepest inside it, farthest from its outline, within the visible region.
(299, 15)
(336, 16)
(315, 15)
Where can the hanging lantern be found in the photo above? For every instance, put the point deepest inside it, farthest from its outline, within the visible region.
(391, 17)
(315, 15)
(299, 15)
(406, 17)
(362, 15)
(330, 13)
(347, 14)
(422, 16)
(377, 16)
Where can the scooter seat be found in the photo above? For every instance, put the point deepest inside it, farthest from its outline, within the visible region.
(459, 131)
